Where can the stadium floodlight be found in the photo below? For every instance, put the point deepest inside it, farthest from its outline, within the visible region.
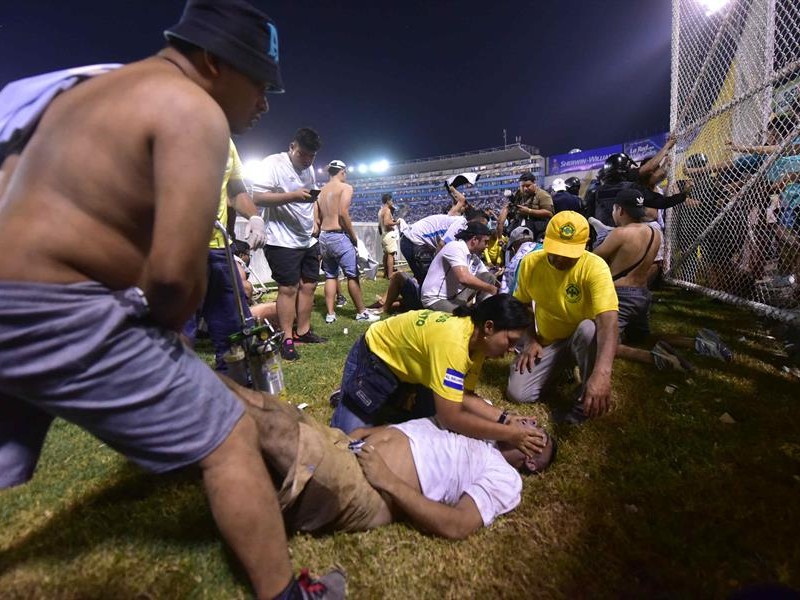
(379, 166)
(252, 169)
(362, 168)
(712, 6)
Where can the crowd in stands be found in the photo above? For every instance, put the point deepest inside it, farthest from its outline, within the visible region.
(421, 194)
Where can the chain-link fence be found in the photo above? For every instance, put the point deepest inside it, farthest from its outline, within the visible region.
(735, 110)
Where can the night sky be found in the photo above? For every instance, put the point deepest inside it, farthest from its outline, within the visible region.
(405, 80)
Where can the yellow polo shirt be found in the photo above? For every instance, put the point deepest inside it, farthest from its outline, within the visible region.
(233, 170)
(428, 348)
(564, 298)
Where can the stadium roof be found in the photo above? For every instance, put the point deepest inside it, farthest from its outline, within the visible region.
(465, 160)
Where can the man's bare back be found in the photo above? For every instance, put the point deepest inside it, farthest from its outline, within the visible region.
(333, 202)
(139, 162)
(626, 245)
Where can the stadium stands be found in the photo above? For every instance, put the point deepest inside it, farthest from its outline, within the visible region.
(418, 186)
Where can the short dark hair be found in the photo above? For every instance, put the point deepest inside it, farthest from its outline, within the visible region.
(472, 213)
(240, 247)
(385, 198)
(307, 138)
(334, 170)
(505, 311)
(528, 177)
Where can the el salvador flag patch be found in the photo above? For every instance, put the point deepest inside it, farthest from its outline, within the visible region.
(454, 379)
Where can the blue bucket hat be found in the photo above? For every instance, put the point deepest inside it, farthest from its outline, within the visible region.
(236, 32)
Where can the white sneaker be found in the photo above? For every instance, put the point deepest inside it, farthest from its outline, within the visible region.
(330, 318)
(368, 316)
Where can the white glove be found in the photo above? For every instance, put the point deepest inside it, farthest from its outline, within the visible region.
(254, 232)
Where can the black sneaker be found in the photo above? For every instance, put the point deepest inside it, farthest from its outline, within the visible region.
(331, 586)
(288, 351)
(335, 398)
(340, 300)
(309, 337)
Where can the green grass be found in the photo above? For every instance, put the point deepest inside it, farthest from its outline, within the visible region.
(657, 499)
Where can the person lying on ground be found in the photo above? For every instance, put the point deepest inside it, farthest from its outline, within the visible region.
(441, 482)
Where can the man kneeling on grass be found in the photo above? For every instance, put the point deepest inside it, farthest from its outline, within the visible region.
(442, 482)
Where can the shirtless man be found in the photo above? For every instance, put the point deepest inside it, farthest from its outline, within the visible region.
(337, 240)
(387, 225)
(109, 212)
(630, 250)
(442, 482)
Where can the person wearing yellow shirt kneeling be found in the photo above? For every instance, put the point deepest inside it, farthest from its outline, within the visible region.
(438, 357)
(575, 312)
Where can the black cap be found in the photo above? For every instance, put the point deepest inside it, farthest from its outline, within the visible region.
(632, 200)
(235, 31)
(472, 229)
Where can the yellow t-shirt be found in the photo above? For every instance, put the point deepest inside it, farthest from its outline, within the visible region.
(233, 170)
(494, 253)
(429, 348)
(565, 298)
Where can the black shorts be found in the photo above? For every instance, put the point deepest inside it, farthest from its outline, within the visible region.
(290, 265)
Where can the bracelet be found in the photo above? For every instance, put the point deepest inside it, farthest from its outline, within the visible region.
(503, 417)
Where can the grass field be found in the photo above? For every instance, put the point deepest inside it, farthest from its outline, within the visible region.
(658, 499)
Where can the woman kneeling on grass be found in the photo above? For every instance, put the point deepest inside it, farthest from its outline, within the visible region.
(436, 357)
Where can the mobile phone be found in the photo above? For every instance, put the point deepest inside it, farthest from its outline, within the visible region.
(314, 194)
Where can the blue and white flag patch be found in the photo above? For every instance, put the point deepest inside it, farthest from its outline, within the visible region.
(454, 379)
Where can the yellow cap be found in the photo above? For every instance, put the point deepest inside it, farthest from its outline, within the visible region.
(567, 234)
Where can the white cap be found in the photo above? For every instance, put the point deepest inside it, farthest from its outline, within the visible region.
(337, 164)
(558, 185)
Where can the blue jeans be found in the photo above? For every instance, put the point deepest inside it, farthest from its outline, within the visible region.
(419, 258)
(219, 307)
(337, 251)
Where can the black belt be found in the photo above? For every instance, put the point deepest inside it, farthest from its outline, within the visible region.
(333, 231)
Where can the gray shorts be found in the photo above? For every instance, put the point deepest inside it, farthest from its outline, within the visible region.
(634, 313)
(91, 356)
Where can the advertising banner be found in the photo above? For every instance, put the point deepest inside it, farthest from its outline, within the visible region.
(580, 161)
(639, 149)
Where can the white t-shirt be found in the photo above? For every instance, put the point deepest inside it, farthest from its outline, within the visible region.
(429, 230)
(289, 225)
(450, 465)
(441, 282)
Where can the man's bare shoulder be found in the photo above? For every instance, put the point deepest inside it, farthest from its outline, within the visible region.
(174, 96)
(155, 93)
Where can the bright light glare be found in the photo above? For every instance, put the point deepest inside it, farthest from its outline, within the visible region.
(379, 166)
(252, 169)
(712, 6)
(362, 168)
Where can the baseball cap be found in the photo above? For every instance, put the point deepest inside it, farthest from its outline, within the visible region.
(632, 200)
(519, 234)
(337, 164)
(472, 229)
(235, 31)
(567, 234)
(558, 185)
